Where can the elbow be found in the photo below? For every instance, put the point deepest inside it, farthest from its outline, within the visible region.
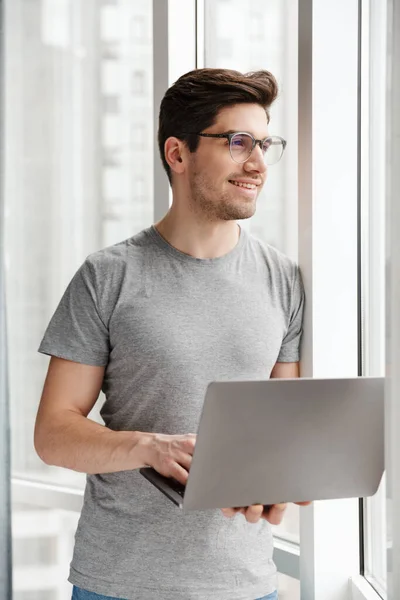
(40, 445)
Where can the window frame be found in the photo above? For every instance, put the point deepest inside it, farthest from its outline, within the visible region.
(324, 573)
(373, 150)
(5, 445)
(392, 406)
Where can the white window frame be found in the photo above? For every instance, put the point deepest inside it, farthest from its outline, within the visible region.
(361, 589)
(328, 254)
(373, 163)
(393, 294)
(321, 107)
(46, 495)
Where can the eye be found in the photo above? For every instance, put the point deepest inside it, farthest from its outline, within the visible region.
(266, 145)
(238, 141)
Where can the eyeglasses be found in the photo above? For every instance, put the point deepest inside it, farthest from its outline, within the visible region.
(242, 144)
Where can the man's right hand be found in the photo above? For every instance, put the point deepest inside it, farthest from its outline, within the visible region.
(170, 455)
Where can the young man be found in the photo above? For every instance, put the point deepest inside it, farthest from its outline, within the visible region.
(152, 321)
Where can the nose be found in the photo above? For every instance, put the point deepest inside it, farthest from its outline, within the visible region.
(256, 161)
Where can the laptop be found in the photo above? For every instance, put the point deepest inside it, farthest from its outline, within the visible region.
(283, 440)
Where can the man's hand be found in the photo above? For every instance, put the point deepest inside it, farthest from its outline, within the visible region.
(273, 513)
(170, 455)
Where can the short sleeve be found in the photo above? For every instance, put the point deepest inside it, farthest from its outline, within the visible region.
(290, 349)
(77, 331)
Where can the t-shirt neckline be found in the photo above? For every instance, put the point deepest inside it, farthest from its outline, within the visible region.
(165, 245)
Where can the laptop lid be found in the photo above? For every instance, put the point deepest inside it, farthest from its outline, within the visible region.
(265, 442)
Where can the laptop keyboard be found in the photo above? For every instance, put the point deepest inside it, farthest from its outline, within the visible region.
(179, 488)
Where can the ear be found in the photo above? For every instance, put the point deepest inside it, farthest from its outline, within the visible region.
(174, 154)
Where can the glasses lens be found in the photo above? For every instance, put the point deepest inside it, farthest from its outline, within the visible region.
(241, 147)
(273, 149)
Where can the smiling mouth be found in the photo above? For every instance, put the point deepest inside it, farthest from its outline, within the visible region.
(246, 186)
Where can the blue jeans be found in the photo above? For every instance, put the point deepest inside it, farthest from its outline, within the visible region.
(78, 594)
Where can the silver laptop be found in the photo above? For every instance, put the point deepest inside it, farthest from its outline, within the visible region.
(283, 440)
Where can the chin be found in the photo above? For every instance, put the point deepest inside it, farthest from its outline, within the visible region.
(239, 215)
(246, 211)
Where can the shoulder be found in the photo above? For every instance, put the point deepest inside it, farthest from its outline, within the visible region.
(110, 270)
(112, 261)
(280, 266)
(282, 275)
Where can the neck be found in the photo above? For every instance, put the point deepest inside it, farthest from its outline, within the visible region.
(198, 237)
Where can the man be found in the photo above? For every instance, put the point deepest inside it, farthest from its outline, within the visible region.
(152, 321)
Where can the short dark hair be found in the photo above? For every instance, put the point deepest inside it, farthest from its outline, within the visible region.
(193, 102)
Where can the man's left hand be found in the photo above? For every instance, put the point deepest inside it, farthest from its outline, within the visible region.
(272, 513)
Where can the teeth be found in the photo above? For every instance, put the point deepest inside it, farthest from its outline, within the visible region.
(249, 186)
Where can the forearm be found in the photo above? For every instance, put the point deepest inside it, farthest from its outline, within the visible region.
(75, 442)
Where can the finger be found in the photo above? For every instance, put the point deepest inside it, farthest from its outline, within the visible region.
(183, 459)
(253, 513)
(304, 503)
(229, 512)
(188, 443)
(183, 443)
(275, 513)
(179, 473)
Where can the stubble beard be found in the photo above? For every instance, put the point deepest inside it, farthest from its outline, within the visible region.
(206, 201)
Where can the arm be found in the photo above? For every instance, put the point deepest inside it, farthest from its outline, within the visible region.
(65, 437)
(283, 370)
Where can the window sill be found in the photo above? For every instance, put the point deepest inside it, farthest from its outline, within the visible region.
(361, 589)
(46, 495)
(287, 557)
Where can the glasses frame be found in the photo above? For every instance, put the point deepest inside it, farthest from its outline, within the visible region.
(255, 142)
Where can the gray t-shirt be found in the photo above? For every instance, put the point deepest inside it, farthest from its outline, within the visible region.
(165, 324)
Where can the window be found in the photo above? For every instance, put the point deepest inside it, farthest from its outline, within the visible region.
(42, 544)
(110, 104)
(275, 221)
(138, 82)
(111, 78)
(111, 131)
(139, 137)
(233, 41)
(56, 23)
(79, 165)
(376, 509)
(110, 23)
(257, 31)
(139, 30)
(63, 112)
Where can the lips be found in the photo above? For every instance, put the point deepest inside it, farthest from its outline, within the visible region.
(244, 185)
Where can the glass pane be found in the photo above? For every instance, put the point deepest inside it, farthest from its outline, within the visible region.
(373, 255)
(79, 174)
(42, 547)
(263, 35)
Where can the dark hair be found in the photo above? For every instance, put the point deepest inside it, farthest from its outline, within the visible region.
(193, 102)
